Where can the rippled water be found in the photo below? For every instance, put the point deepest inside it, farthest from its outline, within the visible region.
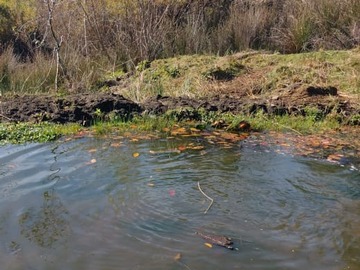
(90, 204)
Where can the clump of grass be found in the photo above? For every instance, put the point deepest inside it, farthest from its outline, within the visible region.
(308, 124)
(181, 76)
(145, 123)
(340, 69)
(256, 72)
(18, 77)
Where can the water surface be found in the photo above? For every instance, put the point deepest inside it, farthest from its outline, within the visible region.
(90, 204)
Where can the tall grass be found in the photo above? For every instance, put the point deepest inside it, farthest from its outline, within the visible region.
(103, 35)
(20, 77)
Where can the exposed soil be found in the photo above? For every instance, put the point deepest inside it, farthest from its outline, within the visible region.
(84, 108)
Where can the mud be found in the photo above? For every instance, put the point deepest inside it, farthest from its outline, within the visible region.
(85, 108)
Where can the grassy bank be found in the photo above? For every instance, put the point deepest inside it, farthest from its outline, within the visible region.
(163, 126)
(252, 72)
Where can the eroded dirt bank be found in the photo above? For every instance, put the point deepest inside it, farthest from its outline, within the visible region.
(84, 108)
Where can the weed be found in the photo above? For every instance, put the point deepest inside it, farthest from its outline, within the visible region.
(27, 132)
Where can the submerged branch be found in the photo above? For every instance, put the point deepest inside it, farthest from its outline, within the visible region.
(203, 193)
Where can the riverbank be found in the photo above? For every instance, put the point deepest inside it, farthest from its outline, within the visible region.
(303, 93)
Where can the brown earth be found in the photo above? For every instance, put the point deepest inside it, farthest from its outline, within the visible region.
(84, 108)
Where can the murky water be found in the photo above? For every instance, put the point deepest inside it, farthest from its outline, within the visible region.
(94, 204)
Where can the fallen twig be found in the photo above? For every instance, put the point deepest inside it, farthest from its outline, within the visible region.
(203, 193)
(5, 117)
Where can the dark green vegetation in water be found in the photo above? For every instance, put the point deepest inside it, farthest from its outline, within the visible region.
(28, 132)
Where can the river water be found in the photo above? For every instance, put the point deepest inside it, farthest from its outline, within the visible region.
(96, 203)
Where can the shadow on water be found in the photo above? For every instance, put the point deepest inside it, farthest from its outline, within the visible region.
(106, 204)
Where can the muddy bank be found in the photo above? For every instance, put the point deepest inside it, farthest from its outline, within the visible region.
(80, 108)
(85, 108)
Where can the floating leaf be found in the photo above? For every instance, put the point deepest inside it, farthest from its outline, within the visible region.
(179, 131)
(208, 245)
(335, 157)
(197, 147)
(177, 257)
(92, 150)
(93, 161)
(231, 136)
(135, 155)
(151, 184)
(182, 148)
(116, 145)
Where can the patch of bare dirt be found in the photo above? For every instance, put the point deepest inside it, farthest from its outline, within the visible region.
(81, 108)
(84, 108)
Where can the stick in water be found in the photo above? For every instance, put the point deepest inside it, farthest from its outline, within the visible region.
(203, 193)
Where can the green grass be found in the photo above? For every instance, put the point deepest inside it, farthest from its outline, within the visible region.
(340, 69)
(137, 124)
(180, 76)
(298, 124)
(195, 75)
(312, 123)
(161, 125)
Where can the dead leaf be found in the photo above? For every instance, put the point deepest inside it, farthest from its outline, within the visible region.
(135, 155)
(151, 184)
(182, 148)
(335, 157)
(177, 257)
(179, 131)
(197, 147)
(208, 245)
(92, 150)
(116, 145)
(93, 161)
